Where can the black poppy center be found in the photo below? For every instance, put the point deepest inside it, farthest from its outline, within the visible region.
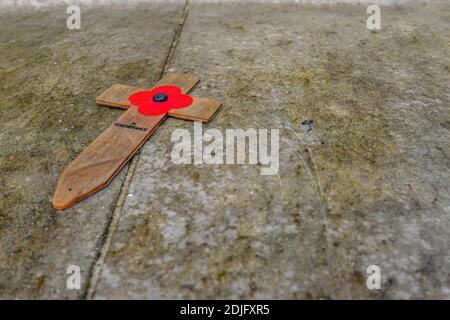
(160, 97)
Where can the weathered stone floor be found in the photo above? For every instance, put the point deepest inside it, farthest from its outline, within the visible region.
(368, 185)
(49, 79)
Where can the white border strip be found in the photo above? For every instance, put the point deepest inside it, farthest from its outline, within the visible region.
(47, 3)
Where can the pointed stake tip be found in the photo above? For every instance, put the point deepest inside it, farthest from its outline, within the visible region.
(58, 204)
(61, 201)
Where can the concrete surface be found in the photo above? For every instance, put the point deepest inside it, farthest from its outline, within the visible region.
(368, 185)
(49, 78)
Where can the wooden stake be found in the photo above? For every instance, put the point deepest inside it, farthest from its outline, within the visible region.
(100, 162)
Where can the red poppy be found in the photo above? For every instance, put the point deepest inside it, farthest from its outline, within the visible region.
(160, 100)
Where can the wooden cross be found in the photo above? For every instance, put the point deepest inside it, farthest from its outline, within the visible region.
(102, 160)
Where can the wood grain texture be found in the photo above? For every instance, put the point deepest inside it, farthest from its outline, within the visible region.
(117, 95)
(201, 109)
(100, 162)
(185, 81)
(97, 165)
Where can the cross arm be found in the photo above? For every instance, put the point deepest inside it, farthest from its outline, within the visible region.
(201, 109)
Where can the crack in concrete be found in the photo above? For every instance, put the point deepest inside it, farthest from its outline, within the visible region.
(176, 37)
(96, 269)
